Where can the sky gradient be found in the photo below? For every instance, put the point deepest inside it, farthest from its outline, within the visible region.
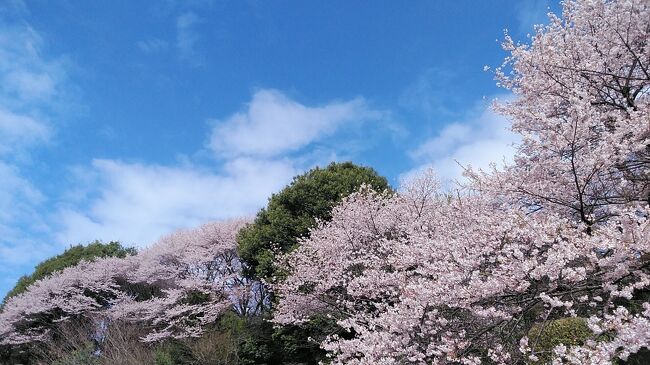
(127, 120)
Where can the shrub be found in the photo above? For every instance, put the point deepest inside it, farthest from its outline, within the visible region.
(543, 337)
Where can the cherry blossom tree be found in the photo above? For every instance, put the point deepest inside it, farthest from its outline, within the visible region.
(75, 292)
(173, 289)
(424, 276)
(474, 277)
(193, 277)
(421, 279)
(582, 89)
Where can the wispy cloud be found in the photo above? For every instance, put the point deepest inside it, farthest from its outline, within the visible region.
(137, 203)
(187, 38)
(21, 221)
(429, 94)
(31, 86)
(273, 124)
(480, 139)
(20, 131)
(152, 45)
(17, 195)
(13, 7)
(27, 77)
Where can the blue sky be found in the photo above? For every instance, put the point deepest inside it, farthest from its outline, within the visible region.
(123, 120)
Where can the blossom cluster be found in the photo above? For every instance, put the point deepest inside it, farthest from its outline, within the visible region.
(428, 276)
(173, 289)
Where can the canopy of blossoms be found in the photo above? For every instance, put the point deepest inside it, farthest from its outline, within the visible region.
(428, 277)
(174, 288)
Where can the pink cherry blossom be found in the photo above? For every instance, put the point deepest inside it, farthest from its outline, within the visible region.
(433, 277)
(153, 288)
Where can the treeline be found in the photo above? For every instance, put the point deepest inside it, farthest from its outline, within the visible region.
(242, 333)
(543, 261)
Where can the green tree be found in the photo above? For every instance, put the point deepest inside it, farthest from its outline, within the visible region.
(70, 257)
(293, 211)
(288, 216)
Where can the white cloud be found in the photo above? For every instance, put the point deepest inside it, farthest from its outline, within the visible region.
(428, 94)
(273, 125)
(152, 45)
(19, 202)
(27, 78)
(476, 142)
(30, 86)
(24, 251)
(187, 37)
(137, 203)
(18, 131)
(17, 195)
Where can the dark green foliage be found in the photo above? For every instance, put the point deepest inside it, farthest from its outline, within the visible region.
(636, 306)
(70, 257)
(293, 211)
(234, 340)
(196, 297)
(256, 341)
(289, 215)
(141, 291)
(543, 338)
(301, 344)
(164, 357)
(174, 353)
(15, 355)
(252, 339)
(640, 358)
(572, 331)
(80, 357)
